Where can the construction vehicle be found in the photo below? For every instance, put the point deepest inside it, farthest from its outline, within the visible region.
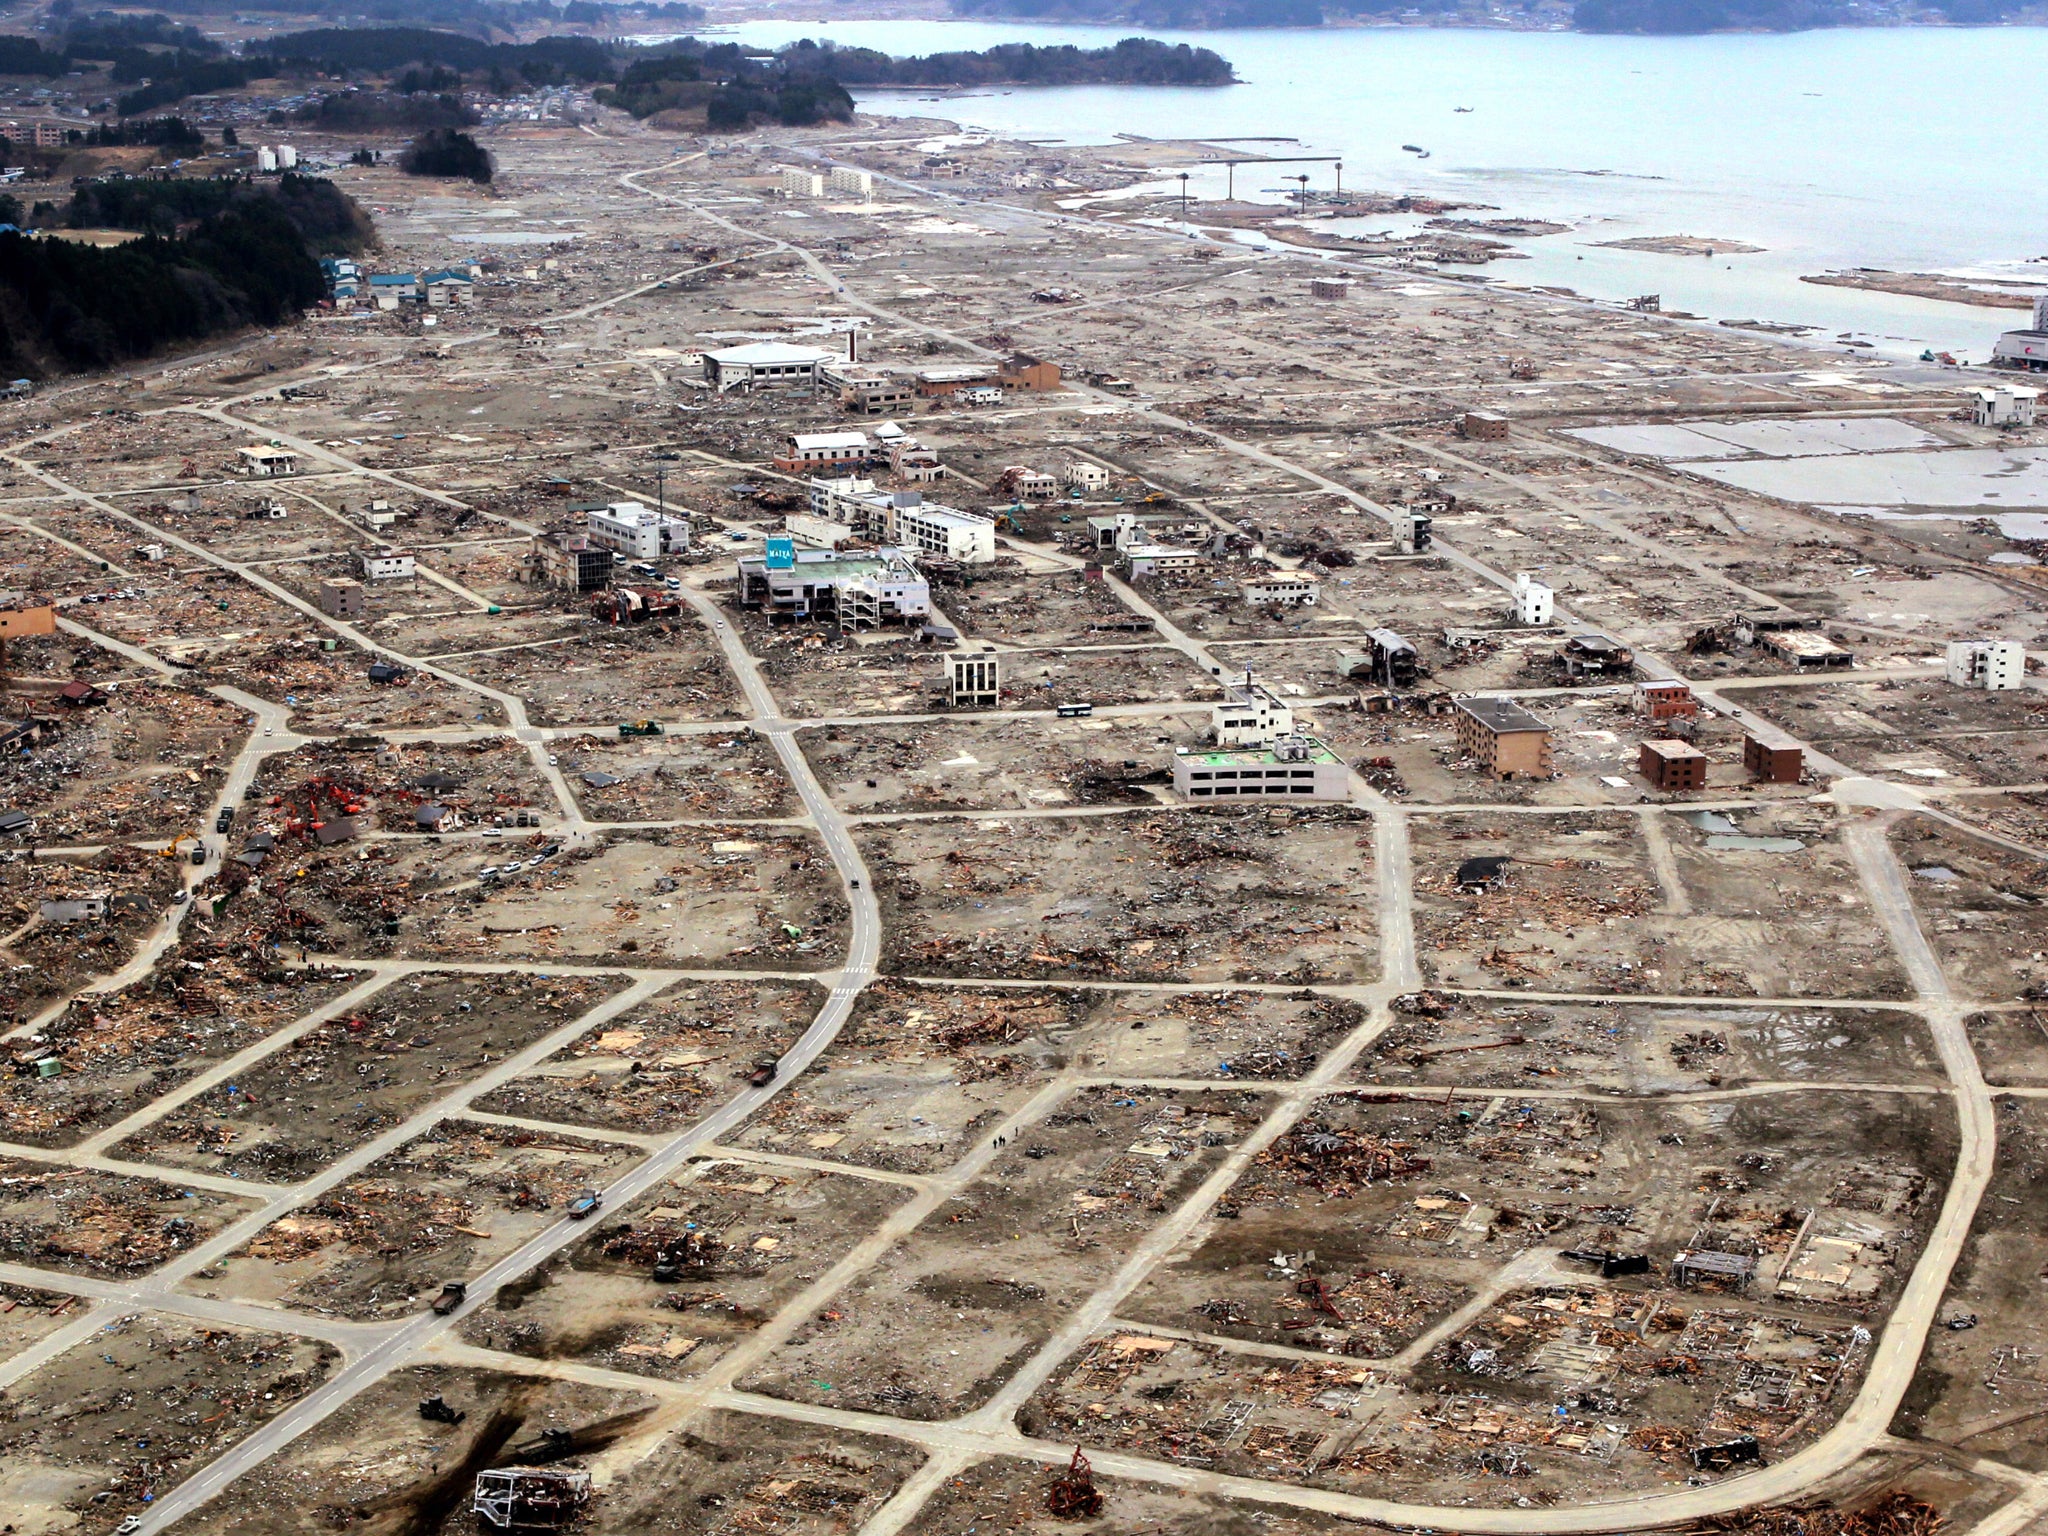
(320, 793)
(642, 728)
(435, 1410)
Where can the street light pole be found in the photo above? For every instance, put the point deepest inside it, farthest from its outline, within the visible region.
(1340, 181)
(1303, 179)
(1183, 197)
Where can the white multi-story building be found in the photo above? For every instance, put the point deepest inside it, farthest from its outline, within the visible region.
(639, 531)
(2004, 407)
(815, 532)
(1992, 664)
(1084, 476)
(845, 181)
(1251, 715)
(287, 157)
(1534, 601)
(1143, 559)
(855, 591)
(266, 158)
(1287, 589)
(905, 519)
(945, 532)
(802, 184)
(821, 450)
(385, 564)
(1292, 767)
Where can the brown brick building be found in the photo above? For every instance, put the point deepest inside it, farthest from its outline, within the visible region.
(1672, 766)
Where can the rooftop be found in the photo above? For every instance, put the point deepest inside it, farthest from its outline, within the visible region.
(763, 353)
(1266, 757)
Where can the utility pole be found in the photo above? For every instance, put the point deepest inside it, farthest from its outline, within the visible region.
(1183, 197)
(1303, 179)
(1340, 181)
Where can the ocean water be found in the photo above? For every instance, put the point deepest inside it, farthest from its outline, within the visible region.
(1900, 148)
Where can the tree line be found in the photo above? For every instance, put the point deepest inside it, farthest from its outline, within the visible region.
(214, 255)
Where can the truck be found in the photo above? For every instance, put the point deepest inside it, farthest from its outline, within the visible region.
(450, 1298)
(763, 1073)
(586, 1202)
(641, 728)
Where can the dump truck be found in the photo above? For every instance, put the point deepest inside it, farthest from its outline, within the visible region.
(450, 1298)
(584, 1203)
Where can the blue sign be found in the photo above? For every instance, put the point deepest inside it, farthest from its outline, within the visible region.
(781, 554)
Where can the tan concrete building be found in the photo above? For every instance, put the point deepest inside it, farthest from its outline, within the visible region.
(1508, 741)
(343, 599)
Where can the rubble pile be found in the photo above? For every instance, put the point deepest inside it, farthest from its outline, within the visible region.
(1895, 1513)
(612, 673)
(202, 1003)
(702, 777)
(653, 1070)
(99, 1223)
(1338, 1162)
(283, 1118)
(479, 782)
(118, 1420)
(148, 763)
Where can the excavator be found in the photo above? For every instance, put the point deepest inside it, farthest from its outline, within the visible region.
(346, 802)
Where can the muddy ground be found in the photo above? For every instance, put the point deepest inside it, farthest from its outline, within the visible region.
(121, 1051)
(1605, 902)
(1239, 895)
(1984, 1391)
(744, 1236)
(132, 1411)
(940, 1322)
(378, 1468)
(736, 775)
(1984, 909)
(353, 1077)
(445, 1206)
(656, 1068)
(1641, 1048)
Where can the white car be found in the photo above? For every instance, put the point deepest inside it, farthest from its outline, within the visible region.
(553, 760)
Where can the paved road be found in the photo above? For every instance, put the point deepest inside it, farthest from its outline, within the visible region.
(396, 1346)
